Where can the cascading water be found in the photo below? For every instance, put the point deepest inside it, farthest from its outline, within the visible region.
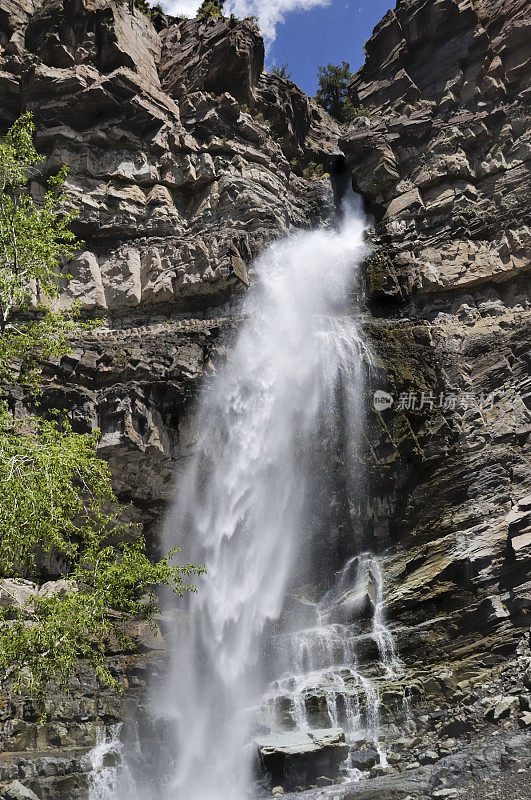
(107, 766)
(273, 424)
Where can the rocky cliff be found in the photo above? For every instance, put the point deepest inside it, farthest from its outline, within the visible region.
(186, 159)
(443, 159)
(441, 152)
(179, 149)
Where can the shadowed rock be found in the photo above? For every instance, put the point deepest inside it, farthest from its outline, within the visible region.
(299, 758)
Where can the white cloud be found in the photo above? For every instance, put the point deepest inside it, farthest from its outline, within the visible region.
(270, 13)
(178, 7)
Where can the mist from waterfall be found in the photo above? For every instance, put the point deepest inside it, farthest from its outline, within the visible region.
(250, 503)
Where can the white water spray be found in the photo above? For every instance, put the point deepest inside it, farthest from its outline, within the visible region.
(107, 765)
(269, 425)
(244, 505)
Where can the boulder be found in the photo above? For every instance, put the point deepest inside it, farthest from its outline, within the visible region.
(378, 770)
(501, 707)
(525, 719)
(298, 758)
(15, 592)
(17, 791)
(429, 757)
(364, 759)
(59, 587)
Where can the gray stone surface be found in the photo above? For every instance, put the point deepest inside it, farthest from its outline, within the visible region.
(299, 758)
(17, 791)
(186, 161)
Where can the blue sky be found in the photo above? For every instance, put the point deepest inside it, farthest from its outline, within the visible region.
(331, 34)
(305, 33)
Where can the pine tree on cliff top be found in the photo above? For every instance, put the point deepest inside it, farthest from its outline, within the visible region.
(210, 8)
(333, 87)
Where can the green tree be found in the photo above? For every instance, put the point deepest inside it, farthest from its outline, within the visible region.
(34, 239)
(56, 496)
(313, 171)
(143, 6)
(332, 93)
(210, 8)
(281, 71)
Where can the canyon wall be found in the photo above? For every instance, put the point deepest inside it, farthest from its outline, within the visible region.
(441, 154)
(186, 159)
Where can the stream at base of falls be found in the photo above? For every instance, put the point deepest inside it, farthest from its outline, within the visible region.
(286, 636)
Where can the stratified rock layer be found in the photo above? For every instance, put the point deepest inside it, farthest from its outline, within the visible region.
(300, 758)
(442, 152)
(181, 153)
(177, 145)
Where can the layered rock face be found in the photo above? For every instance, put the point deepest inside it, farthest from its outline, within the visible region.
(441, 151)
(179, 149)
(185, 160)
(443, 160)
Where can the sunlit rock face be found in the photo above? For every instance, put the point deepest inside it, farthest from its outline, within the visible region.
(443, 155)
(179, 151)
(186, 160)
(441, 151)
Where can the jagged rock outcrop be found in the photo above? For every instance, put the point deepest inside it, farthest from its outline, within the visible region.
(210, 58)
(442, 156)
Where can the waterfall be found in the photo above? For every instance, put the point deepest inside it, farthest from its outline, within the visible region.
(108, 767)
(275, 426)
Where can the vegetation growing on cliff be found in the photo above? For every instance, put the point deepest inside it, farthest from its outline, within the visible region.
(56, 498)
(210, 8)
(281, 71)
(332, 94)
(312, 171)
(144, 7)
(33, 241)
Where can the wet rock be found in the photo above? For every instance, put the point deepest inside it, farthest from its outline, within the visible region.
(429, 757)
(378, 770)
(322, 780)
(386, 787)
(394, 758)
(364, 759)
(299, 758)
